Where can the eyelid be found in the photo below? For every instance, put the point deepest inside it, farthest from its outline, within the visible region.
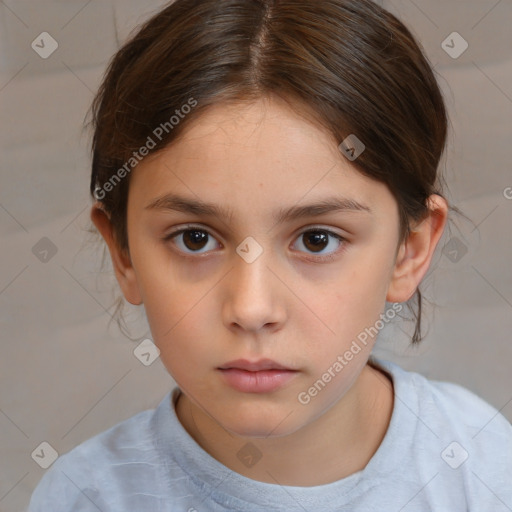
(188, 227)
(322, 258)
(319, 227)
(308, 256)
(302, 230)
(192, 256)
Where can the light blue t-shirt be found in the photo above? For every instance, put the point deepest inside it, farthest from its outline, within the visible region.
(445, 450)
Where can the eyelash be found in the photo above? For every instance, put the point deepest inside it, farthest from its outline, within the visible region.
(325, 258)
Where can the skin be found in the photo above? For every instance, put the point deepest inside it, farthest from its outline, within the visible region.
(210, 306)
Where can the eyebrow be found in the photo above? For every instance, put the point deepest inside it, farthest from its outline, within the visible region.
(178, 203)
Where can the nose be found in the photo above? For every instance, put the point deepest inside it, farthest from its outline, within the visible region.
(254, 299)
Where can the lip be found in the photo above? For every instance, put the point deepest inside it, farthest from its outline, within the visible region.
(263, 376)
(256, 366)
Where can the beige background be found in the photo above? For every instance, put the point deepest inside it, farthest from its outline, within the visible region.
(65, 375)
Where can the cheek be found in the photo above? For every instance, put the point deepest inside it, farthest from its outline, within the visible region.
(362, 292)
(183, 334)
(356, 302)
(165, 299)
(176, 313)
(181, 320)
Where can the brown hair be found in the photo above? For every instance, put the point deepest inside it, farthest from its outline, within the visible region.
(348, 64)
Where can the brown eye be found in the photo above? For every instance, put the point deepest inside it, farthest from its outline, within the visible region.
(316, 241)
(191, 240)
(195, 240)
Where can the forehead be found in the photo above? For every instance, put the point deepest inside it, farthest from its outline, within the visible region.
(268, 125)
(251, 154)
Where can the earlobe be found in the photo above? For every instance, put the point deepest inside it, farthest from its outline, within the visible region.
(121, 261)
(416, 252)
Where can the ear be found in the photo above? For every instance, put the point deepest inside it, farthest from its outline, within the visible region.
(415, 253)
(121, 261)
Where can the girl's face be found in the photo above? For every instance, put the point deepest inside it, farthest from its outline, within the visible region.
(232, 261)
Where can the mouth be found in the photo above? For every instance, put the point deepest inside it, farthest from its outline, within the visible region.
(256, 366)
(263, 376)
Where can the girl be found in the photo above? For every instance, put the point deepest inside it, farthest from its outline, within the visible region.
(265, 176)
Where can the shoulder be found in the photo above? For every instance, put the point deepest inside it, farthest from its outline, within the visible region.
(79, 477)
(452, 404)
(456, 435)
(483, 432)
(462, 409)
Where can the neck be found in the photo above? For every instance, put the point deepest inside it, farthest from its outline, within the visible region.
(335, 445)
